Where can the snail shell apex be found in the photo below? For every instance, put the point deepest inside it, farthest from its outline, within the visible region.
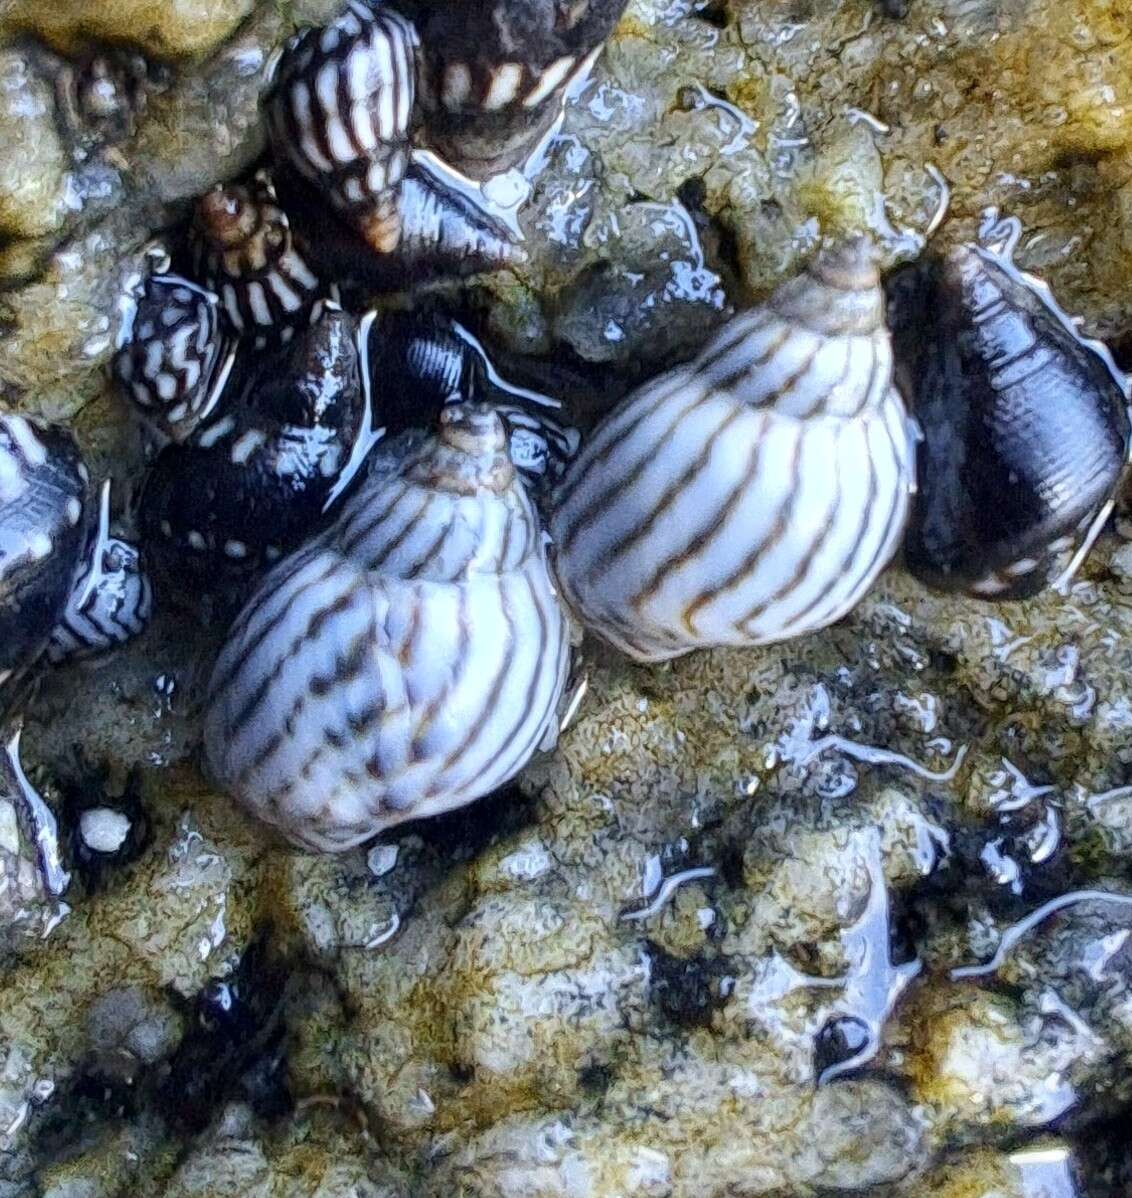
(1025, 430)
(753, 494)
(407, 661)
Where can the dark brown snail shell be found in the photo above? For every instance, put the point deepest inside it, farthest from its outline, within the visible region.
(1025, 427)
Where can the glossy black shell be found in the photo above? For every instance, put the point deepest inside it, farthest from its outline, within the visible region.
(254, 481)
(43, 526)
(1025, 427)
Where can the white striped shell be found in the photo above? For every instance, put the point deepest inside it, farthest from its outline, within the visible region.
(339, 109)
(407, 661)
(754, 494)
(246, 254)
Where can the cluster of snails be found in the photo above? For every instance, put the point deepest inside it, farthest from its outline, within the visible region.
(756, 493)
(407, 649)
(750, 496)
(263, 392)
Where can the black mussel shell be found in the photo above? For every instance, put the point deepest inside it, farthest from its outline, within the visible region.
(1025, 426)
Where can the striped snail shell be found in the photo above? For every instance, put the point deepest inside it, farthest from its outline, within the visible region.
(1025, 429)
(246, 253)
(255, 480)
(174, 363)
(43, 526)
(753, 494)
(111, 599)
(407, 661)
(493, 71)
(339, 109)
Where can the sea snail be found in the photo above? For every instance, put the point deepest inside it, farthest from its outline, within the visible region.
(407, 661)
(173, 362)
(256, 478)
(66, 586)
(1025, 429)
(753, 494)
(492, 71)
(342, 103)
(246, 253)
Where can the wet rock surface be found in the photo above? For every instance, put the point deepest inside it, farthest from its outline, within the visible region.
(844, 915)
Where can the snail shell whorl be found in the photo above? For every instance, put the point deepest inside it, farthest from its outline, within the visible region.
(1025, 430)
(246, 254)
(754, 494)
(339, 111)
(408, 661)
(173, 366)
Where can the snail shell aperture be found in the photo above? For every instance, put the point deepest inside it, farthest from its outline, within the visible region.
(1025, 429)
(407, 661)
(753, 494)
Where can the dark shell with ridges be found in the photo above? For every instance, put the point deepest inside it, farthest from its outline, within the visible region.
(255, 480)
(1025, 427)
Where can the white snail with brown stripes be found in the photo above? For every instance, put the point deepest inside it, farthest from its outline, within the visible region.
(754, 494)
(407, 661)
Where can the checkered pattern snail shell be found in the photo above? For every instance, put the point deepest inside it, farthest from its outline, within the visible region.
(408, 661)
(753, 494)
(175, 362)
(246, 254)
(338, 112)
(1025, 429)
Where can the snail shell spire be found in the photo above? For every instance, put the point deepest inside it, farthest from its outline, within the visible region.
(408, 661)
(339, 111)
(753, 494)
(1025, 430)
(246, 253)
